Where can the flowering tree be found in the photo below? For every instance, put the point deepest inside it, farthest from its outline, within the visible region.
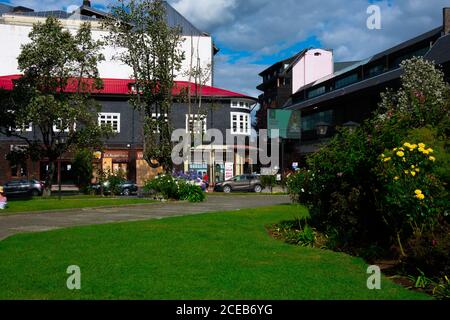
(422, 100)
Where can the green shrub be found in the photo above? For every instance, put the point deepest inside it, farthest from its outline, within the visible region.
(339, 189)
(115, 179)
(429, 252)
(296, 232)
(175, 189)
(191, 193)
(164, 185)
(268, 182)
(442, 290)
(410, 188)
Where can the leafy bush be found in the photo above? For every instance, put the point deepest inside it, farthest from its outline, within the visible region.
(164, 185)
(442, 290)
(190, 192)
(338, 188)
(410, 189)
(176, 189)
(268, 182)
(114, 180)
(296, 232)
(429, 252)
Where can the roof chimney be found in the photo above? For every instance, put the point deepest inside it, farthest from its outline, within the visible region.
(446, 20)
(86, 3)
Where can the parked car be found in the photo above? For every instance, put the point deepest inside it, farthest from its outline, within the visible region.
(246, 182)
(126, 188)
(17, 188)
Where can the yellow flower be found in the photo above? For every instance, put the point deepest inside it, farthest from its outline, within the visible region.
(422, 145)
(406, 172)
(404, 159)
(420, 196)
(432, 159)
(414, 146)
(396, 178)
(421, 149)
(387, 159)
(413, 173)
(430, 150)
(407, 144)
(401, 154)
(417, 170)
(426, 152)
(402, 149)
(418, 192)
(413, 166)
(395, 149)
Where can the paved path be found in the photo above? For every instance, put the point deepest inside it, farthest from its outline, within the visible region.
(36, 222)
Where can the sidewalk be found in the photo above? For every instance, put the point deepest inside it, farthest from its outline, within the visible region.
(36, 222)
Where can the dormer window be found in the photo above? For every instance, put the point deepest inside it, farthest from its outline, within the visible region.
(237, 104)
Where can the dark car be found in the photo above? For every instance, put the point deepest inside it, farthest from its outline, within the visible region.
(246, 182)
(18, 188)
(126, 188)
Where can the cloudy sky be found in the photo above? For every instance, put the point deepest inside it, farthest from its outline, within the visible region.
(253, 34)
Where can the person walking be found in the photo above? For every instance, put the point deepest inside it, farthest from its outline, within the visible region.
(3, 200)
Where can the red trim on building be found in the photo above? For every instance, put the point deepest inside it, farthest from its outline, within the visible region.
(124, 87)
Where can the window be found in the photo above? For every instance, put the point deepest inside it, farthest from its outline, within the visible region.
(240, 123)
(196, 123)
(346, 81)
(316, 92)
(240, 104)
(155, 117)
(417, 53)
(309, 122)
(110, 119)
(58, 127)
(376, 70)
(24, 128)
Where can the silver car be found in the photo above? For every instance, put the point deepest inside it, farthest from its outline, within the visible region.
(18, 188)
(246, 182)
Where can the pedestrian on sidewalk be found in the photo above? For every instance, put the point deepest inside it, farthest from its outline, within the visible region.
(3, 200)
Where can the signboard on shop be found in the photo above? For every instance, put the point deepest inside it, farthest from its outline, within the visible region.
(229, 170)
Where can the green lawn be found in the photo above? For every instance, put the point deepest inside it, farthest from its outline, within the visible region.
(226, 255)
(40, 204)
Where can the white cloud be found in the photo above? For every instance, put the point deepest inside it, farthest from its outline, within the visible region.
(206, 14)
(266, 27)
(238, 76)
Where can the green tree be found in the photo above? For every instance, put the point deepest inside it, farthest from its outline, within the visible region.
(152, 50)
(53, 95)
(83, 168)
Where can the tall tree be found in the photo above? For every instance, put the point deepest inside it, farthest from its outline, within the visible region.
(153, 50)
(53, 95)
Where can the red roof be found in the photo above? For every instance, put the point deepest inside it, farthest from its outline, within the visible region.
(124, 86)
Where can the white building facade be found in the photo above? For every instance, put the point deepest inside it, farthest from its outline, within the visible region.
(16, 24)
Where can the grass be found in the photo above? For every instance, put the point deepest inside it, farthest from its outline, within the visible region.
(69, 202)
(226, 255)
